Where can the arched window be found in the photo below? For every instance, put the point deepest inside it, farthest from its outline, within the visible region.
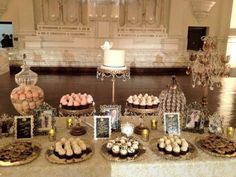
(231, 46)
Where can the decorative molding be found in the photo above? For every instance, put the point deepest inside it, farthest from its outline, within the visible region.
(201, 8)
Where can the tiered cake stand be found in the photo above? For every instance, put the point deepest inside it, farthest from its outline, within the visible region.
(78, 129)
(123, 74)
(142, 113)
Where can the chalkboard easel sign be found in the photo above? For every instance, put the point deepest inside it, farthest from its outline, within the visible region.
(102, 127)
(24, 127)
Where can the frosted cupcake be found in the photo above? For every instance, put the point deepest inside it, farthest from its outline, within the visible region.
(143, 104)
(123, 152)
(176, 151)
(90, 100)
(84, 104)
(149, 105)
(109, 147)
(136, 104)
(161, 146)
(155, 103)
(131, 151)
(168, 149)
(130, 101)
(183, 150)
(76, 105)
(115, 150)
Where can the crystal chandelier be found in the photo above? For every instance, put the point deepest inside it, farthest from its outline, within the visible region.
(207, 66)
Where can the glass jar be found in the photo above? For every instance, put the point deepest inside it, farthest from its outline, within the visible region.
(27, 96)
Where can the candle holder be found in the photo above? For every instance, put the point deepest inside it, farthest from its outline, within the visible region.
(69, 123)
(207, 67)
(230, 132)
(52, 134)
(154, 124)
(145, 134)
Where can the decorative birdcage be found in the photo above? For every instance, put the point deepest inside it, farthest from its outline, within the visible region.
(172, 99)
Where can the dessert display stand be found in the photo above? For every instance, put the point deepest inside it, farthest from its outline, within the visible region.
(130, 111)
(78, 129)
(123, 74)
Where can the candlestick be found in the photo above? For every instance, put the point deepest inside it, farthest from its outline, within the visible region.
(230, 132)
(69, 123)
(52, 134)
(154, 124)
(145, 134)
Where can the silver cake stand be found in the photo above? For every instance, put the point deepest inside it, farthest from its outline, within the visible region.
(103, 73)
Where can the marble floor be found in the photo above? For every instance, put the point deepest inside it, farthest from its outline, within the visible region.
(55, 85)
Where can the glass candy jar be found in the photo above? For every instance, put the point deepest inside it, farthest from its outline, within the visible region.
(172, 99)
(27, 96)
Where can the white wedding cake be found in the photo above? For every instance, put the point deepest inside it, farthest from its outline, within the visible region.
(113, 59)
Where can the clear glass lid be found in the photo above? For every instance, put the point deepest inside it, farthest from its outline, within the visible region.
(26, 76)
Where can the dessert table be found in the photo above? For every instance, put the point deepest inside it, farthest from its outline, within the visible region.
(149, 164)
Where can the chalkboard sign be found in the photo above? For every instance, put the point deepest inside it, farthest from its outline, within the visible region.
(24, 127)
(102, 127)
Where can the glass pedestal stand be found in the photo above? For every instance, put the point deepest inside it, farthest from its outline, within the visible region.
(123, 74)
(78, 129)
(142, 113)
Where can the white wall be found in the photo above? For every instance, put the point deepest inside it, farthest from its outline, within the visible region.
(148, 52)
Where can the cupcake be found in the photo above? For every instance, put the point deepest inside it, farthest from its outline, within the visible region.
(167, 142)
(168, 149)
(70, 105)
(136, 103)
(69, 154)
(131, 151)
(123, 152)
(161, 146)
(140, 96)
(109, 147)
(90, 100)
(64, 104)
(76, 105)
(77, 152)
(149, 105)
(184, 143)
(178, 141)
(136, 148)
(143, 104)
(155, 104)
(115, 150)
(176, 150)
(130, 101)
(84, 103)
(61, 153)
(183, 150)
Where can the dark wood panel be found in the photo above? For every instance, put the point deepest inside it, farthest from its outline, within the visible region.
(55, 85)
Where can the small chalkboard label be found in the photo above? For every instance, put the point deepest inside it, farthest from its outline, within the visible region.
(102, 127)
(24, 127)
